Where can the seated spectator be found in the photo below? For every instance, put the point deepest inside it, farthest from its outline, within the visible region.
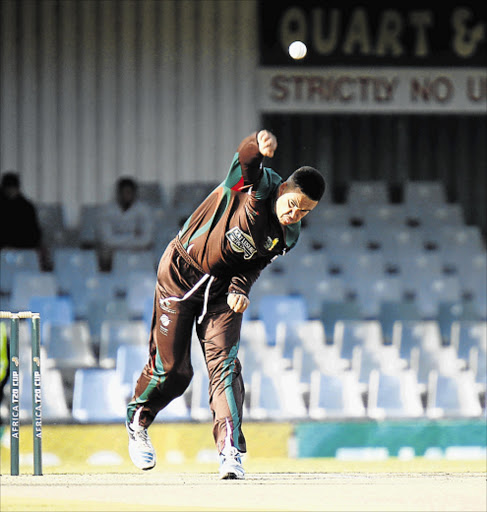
(19, 227)
(125, 223)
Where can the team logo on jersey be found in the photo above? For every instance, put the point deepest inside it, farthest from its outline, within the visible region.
(270, 243)
(241, 242)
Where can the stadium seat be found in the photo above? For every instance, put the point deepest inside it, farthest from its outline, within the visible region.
(334, 311)
(393, 311)
(267, 284)
(304, 363)
(130, 362)
(434, 215)
(291, 335)
(372, 291)
(452, 396)
(335, 396)
(72, 266)
(125, 261)
(361, 193)
(276, 397)
(115, 333)
(418, 193)
(51, 220)
(69, 345)
(99, 310)
(444, 360)
(477, 363)
(13, 261)
(89, 225)
(454, 311)
(394, 395)
(140, 289)
(97, 396)
(331, 215)
(151, 193)
(317, 290)
(383, 358)
(281, 308)
(430, 293)
(409, 334)
(349, 334)
(27, 284)
(100, 287)
(55, 310)
(383, 216)
(467, 334)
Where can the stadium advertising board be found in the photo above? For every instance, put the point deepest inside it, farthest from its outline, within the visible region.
(401, 57)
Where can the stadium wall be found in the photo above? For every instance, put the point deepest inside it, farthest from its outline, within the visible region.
(93, 90)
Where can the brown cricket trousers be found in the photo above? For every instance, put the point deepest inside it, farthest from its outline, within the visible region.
(179, 302)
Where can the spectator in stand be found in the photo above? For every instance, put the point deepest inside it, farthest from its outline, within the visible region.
(19, 227)
(125, 223)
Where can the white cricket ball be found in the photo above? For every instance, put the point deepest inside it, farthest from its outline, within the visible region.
(297, 50)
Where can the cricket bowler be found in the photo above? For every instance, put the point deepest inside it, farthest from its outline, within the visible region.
(204, 277)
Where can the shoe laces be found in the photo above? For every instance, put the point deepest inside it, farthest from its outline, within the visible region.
(142, 436)
(231, 453)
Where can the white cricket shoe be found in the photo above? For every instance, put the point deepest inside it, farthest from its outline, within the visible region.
(141, 450)
(231, 464)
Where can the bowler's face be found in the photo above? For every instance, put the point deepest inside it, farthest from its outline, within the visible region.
(292, 205)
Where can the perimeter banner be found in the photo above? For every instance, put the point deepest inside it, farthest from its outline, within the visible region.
(379, 33)
(373, 90)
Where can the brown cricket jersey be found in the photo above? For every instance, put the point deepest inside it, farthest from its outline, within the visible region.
(235, 232)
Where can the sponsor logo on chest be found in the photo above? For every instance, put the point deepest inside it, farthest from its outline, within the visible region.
(241, 242)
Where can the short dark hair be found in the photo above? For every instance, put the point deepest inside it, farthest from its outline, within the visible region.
(126, 182)
(310, 181)
(10, 179)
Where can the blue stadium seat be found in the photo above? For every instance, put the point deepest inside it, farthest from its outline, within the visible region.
(130, 362)
(125, 261)
(97, 396)
(384, 216)
(335, 396)
(115, 333)
(450, 311)
(267, 284)
(72, 266)
(55, 310)
(392, 311)
(418, 193)
(334, 311)
(27, 284)
(361, 193)
(394, 395)
(281, 308)
(140, 288)
(276, 397)
(100, 287)
(430, 293)
(69, 346)
(467, 334)
(89, 225)
(349, 334)
(452, 396)
(51, 220)
(13, 261)
(410, 334)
